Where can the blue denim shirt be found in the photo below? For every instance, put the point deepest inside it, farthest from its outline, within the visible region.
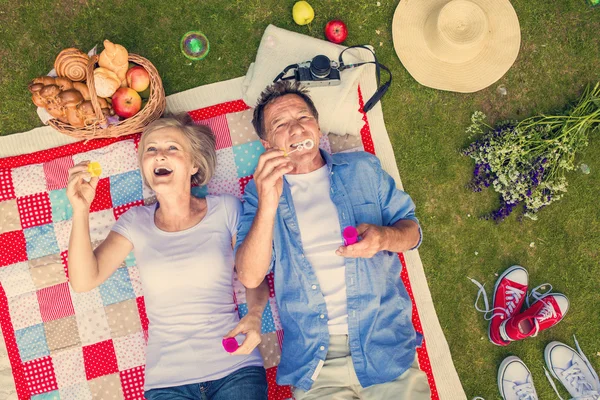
(381, 334)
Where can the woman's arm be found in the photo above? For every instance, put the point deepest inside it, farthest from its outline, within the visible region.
(89, 268)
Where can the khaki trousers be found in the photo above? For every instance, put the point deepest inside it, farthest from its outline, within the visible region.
(337, 380)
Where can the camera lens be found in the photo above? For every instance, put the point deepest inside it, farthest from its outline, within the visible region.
(320, 66)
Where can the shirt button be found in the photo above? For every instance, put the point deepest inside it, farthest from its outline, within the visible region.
(322, 348)
(314, 287)
(302, 255)
(321, 316)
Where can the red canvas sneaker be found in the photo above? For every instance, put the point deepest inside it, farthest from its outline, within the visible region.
(543, 314)
(509, 294)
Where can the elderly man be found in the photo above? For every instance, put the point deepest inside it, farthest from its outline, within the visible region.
(344, 309)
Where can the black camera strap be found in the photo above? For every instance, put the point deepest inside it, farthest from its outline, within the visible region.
(378, 67)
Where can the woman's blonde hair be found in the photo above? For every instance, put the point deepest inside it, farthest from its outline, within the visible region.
(201, 140)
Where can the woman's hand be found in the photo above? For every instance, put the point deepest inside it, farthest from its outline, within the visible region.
(81, 187)
(250, 325)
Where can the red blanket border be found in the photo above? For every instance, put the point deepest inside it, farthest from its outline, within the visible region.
(202, 113)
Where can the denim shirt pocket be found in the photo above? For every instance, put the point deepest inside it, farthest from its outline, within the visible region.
(367, 213)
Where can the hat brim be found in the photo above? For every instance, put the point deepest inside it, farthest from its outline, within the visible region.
(497, 54)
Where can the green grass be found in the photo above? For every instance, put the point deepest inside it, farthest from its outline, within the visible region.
(560, 54)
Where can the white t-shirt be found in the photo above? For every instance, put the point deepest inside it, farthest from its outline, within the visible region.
(321, 236)
(187, 279)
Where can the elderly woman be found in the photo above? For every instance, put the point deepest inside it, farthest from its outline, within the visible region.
(183, 247)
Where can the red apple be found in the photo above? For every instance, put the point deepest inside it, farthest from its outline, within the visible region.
(336, 31)
(137, 78)
(126, 102)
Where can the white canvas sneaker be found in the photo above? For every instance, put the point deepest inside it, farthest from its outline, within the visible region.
(515, 381)
(573, 370)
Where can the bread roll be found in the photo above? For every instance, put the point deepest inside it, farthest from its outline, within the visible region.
(106, 82)
(72, 64)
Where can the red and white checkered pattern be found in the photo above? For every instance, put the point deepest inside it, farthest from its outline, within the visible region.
(35, 210)
(39, 375)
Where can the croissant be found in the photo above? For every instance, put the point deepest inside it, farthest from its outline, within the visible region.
(72, 63)
(115, 58)
(106, 82)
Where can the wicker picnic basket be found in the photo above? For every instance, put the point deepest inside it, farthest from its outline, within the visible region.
(153, 109)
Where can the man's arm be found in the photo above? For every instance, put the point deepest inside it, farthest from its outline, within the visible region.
(254, 253)
(402, 236)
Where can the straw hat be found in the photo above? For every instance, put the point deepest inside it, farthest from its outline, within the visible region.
(456, 45)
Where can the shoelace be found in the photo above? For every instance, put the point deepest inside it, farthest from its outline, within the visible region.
(525, 391)
(576, 379)
(536, 294)
(545, 313)
(513, 296)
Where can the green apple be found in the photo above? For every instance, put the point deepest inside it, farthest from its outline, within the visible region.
(303, 13)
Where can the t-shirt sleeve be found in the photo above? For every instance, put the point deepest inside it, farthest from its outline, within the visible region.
(233, 208)
(125, 223)
(395, 203)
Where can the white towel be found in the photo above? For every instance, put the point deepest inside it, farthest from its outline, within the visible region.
(337, 105)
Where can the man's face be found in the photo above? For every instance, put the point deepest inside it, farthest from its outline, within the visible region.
(288, 121)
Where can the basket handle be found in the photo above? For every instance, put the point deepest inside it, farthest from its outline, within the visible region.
(92, 89)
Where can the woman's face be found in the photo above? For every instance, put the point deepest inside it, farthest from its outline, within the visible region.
(166, 161)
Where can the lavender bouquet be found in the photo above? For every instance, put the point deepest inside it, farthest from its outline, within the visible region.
(525, 162)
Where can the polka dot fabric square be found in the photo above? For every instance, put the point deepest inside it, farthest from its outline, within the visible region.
(142, 311)
(16, 279)
(126, 188)
(130, 350)
(35, 210)
(62, 334)
(135, 279)
(41, 241)
(102, 200)
(57, 172)
(7, 190)
(123, 318)
(100, 359)
(40, 376)
(246, 157)
(86, 301)
(61, 207)
(93, 326)
(53, 395)
(9, 216)
(269, 349)
(68, 367)
(120, 210)
(114, 159)
(100, 224)
(31, 342)
(276, 392)
(226, 169)
(117, 288)
(220, 129)
(240, 127)
(216, 186)
(267, 320)
(47, 271)
(24, 310)
(13, 248)
(62, 231)
(106, 387)
(132, 381)
(81, 391)
(28, 180)
(244, 181)
(55, 302)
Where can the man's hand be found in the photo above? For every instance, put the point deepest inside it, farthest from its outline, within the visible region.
(272, 165)
(373, 240)
(250, 325)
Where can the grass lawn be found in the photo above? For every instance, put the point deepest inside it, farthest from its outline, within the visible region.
(560, 54)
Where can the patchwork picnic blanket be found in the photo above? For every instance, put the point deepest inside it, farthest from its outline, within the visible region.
(67, 345)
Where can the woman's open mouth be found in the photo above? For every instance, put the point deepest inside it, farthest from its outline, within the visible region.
(162, 171)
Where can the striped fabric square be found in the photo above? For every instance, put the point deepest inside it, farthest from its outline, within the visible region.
(40, 376)
(55, 302)
(57, 172)
(35, 210)
(220, 129)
